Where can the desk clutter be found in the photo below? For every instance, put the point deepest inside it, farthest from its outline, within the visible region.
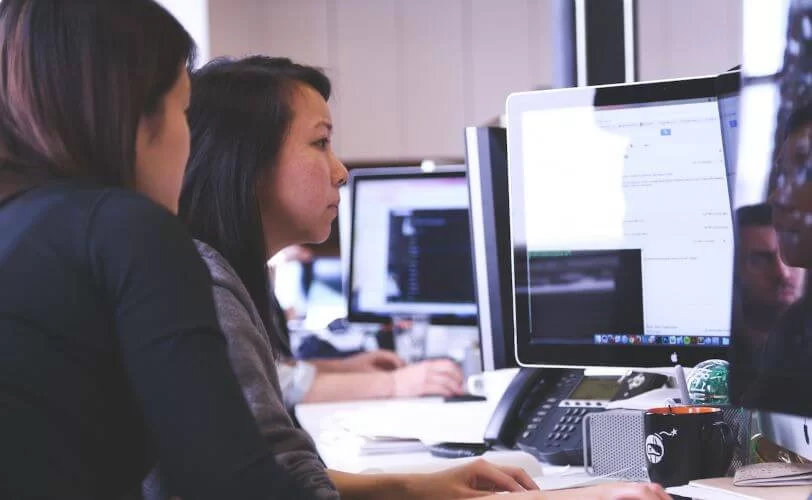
(406, 425)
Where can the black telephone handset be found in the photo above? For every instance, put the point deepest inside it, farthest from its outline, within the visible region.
(538, 415)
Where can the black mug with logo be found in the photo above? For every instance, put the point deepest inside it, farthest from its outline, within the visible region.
(684, 443)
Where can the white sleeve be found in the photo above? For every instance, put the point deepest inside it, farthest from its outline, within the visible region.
(295, 380)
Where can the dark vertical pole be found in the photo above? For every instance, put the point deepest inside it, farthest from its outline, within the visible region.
(563, 43)
(605, 41)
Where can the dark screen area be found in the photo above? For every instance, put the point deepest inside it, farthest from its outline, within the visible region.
(430, 256)
(576, 295)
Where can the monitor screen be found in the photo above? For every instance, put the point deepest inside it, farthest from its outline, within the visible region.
(772, 313)
(411, 246)
(621, 224)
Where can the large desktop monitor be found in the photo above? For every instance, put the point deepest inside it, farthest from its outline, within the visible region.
(410, 250)
(771, 367)
(621, 225)
(486, 160)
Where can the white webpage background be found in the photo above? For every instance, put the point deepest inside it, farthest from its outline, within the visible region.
(375, 199)
(613, 179)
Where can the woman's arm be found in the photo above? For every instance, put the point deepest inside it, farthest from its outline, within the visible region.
(372, 486)
(472, 479)
(350, 386)
(436, 377)
(251, 357)
(370, 361)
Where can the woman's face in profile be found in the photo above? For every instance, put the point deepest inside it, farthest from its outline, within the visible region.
(162, 146)
(299, 198)
(792, 198)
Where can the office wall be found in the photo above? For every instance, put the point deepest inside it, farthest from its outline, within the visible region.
(408, 74)
(678, 38)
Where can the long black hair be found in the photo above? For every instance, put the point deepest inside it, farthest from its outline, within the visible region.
(76, 78)
(239, 116)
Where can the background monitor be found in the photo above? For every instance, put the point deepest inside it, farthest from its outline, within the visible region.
(410, 249)
(621, 224)
(772, 316)
(486, 160)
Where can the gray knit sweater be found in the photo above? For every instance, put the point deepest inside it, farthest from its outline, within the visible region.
(253, 360)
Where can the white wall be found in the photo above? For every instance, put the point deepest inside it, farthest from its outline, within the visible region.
(194, 16)
(678, 38)
(408, 75)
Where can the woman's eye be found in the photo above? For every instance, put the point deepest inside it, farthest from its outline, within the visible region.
(322, 143)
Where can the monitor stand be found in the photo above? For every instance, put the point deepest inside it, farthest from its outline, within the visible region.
(788, 431)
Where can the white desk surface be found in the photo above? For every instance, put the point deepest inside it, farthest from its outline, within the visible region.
(339, 448)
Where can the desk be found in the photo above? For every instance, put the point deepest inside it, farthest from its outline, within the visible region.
(340, 451)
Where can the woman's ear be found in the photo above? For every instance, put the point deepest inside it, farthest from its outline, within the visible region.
(149, 127)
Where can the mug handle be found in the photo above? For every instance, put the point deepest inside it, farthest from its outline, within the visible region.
(724, 455)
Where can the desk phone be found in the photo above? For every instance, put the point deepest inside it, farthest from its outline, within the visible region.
(543, 409)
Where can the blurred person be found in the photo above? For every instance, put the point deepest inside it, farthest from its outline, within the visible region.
(110, 352)
(788, 349)
(767, 286)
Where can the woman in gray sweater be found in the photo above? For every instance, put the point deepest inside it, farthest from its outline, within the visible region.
(262, 176)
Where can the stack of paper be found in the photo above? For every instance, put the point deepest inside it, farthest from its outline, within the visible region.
(774, 474)
(428, 422)
(377, 445)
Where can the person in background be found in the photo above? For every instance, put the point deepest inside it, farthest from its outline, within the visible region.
(110, 352)
(767, 286)
(789, 348)
(262, 176)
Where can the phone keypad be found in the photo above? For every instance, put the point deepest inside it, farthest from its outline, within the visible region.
(548, 430)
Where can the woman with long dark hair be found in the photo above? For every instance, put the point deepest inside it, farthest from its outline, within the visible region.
(110, 353)
(262, 176)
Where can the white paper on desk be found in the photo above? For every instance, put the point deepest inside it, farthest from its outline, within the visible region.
(430, 422)
(567, 481)
(721, 488)
(391, 445)
(697, 493)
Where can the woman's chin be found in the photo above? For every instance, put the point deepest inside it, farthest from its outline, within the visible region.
(319, 237)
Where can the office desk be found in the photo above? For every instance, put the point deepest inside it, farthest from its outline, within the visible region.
(340, 449)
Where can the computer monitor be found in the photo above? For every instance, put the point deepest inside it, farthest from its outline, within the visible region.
(486, 160)
(410, 249)
(771, 357)
(621, 225)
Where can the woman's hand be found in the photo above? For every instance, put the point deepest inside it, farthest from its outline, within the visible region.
(441, 377)
(474, 479)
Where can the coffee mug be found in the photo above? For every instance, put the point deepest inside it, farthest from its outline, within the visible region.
(490, 384)
(684, 443)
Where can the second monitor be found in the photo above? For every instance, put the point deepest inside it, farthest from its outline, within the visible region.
(410, 251)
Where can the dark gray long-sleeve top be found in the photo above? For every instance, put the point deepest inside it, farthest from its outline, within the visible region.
(254, 363)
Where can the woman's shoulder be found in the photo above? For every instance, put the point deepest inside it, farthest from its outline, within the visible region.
(235, 308)
(222, 273)
(224, 276)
